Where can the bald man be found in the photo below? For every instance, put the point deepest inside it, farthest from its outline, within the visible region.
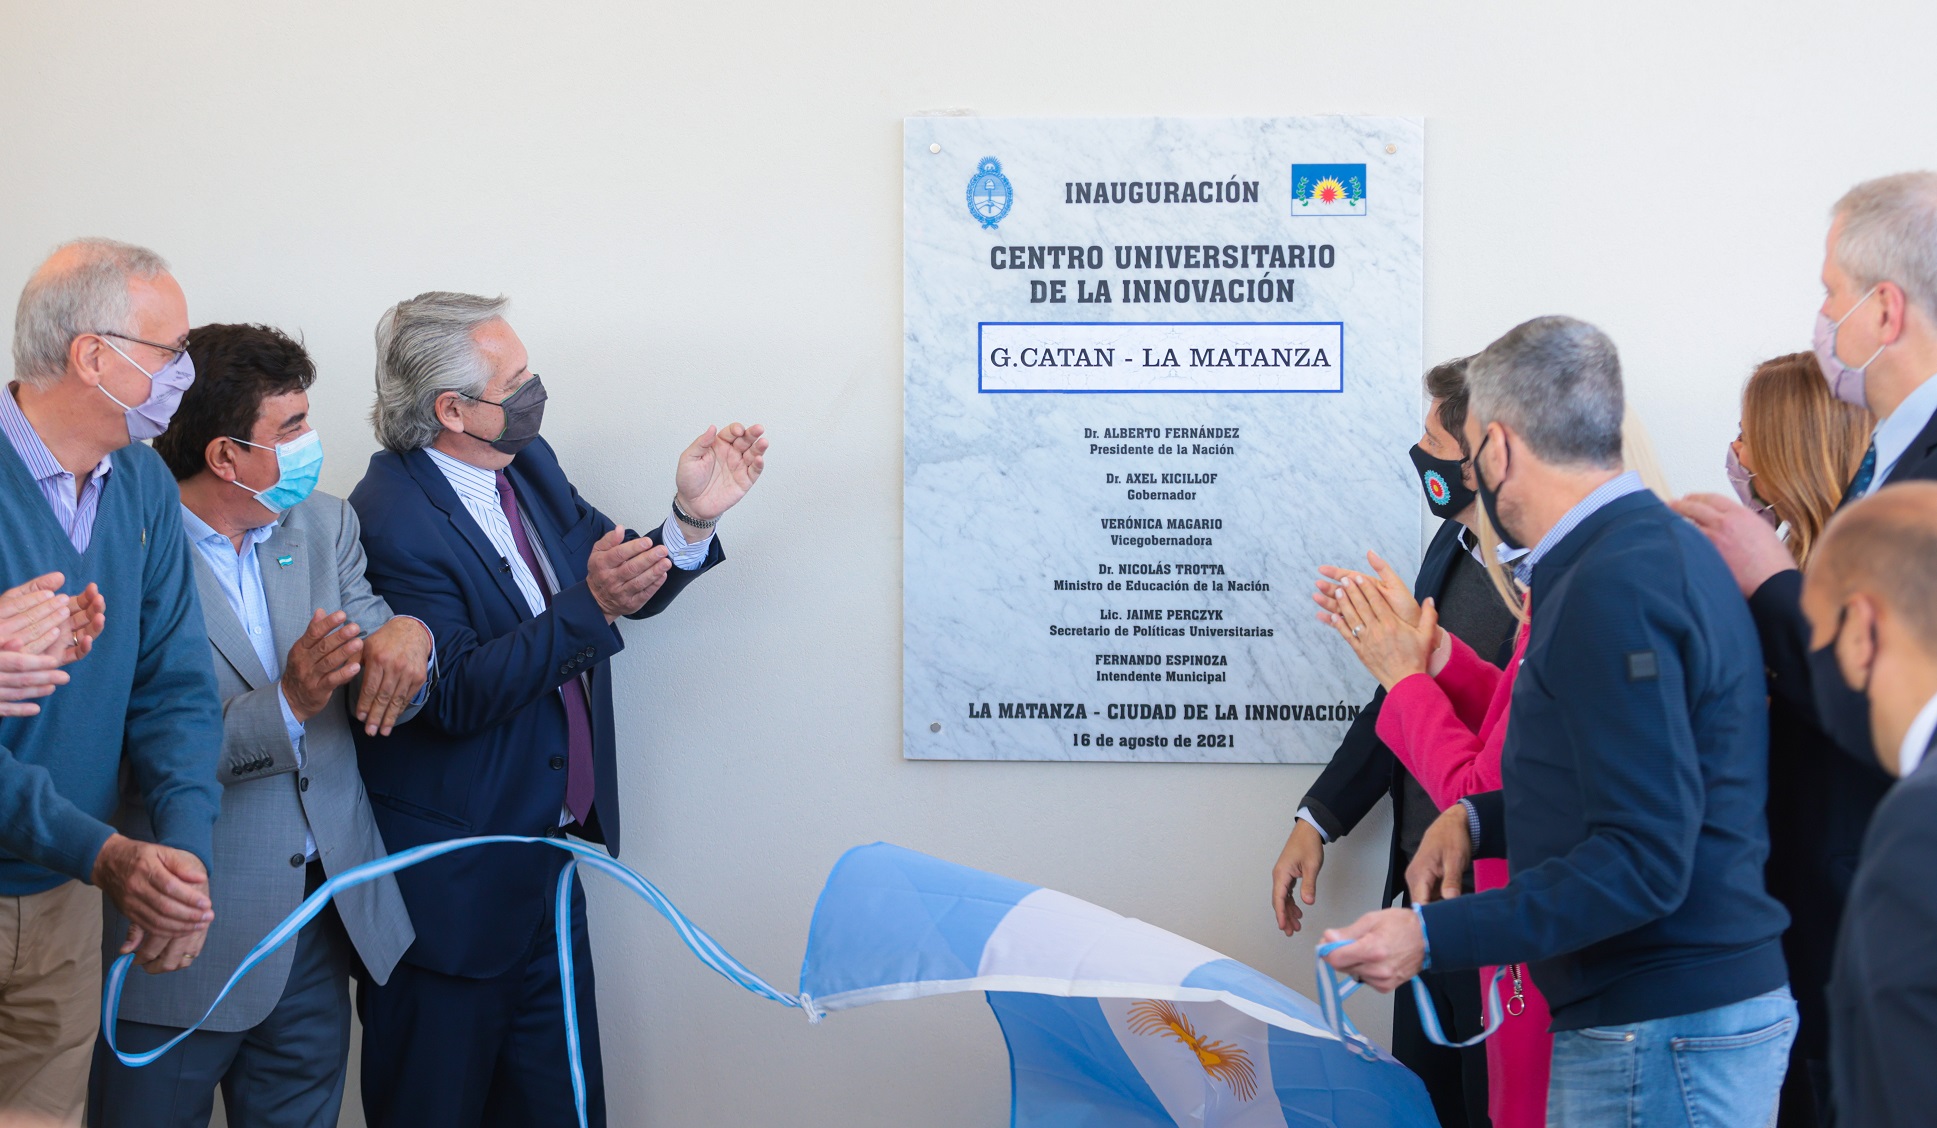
(1871, 599)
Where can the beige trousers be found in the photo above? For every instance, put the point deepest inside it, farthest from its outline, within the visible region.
(50, 1003)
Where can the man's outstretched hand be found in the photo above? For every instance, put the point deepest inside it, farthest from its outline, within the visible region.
(718, 469)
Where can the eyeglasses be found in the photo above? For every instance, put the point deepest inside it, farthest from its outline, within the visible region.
(174, 351)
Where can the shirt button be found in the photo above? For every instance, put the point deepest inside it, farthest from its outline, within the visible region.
(255, 630)
(296, 861)
(558, 763)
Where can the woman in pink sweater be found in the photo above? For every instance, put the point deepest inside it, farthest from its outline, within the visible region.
(1445, 718)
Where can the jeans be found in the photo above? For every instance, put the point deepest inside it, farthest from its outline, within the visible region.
(1719, 1068)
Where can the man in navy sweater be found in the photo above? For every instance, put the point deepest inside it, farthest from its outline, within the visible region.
(1634, 775)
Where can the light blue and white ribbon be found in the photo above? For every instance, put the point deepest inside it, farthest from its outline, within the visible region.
(1334, 989)
(705, 947)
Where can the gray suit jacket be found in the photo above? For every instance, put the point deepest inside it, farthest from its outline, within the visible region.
(259, 871)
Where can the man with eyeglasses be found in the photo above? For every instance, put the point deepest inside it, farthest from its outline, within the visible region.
(99, 363)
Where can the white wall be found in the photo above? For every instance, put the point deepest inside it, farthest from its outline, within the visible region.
(695, 208)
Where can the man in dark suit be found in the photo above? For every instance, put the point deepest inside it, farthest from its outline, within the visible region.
(471, 526)
(1877, 345)
(1871, 599)
(1363, 769)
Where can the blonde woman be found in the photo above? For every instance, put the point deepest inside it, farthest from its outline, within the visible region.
(1799, 449)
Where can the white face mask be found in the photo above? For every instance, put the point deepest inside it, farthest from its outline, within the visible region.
(151, 417)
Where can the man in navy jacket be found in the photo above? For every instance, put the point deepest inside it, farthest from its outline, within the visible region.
(1635, 775)
(471, 526)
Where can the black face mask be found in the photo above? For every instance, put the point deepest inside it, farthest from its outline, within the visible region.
(1841, 712)
(1444, 481)
(524, 413)
(1490, 497)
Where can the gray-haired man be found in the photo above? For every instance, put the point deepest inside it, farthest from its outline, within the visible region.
(99, 362)
(1634, 775)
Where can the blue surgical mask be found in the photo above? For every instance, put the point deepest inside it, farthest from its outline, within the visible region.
(152, 415)
(300, 461)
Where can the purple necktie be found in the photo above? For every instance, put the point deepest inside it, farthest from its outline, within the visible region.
(579, 788)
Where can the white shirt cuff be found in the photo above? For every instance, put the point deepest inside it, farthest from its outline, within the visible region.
(1305, 816)
(683, 555)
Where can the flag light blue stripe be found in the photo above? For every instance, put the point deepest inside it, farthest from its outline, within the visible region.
(696, 940)
(1067, 1069)
(1333, 991)
(890, 916)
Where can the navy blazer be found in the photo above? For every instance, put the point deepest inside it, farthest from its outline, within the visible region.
(1883, 998)
(1363, 769)
(486, 754)
(1635, 779)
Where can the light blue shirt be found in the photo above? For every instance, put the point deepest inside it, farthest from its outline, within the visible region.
(240, 577)
(1894, 435)
(239, 573)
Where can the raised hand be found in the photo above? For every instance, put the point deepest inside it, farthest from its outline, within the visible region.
(719, 468)
(1397, 592)
(33, 614)
(623, 574)
(396, 663)
(1302, 857)
(1391, 649)
(88, 619)
(327, 656)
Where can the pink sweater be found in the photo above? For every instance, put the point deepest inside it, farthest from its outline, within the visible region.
(1448, 731)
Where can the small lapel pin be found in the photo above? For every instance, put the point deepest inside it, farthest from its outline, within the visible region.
(285, 561)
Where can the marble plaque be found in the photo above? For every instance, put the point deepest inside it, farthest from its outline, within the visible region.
(1157, 371)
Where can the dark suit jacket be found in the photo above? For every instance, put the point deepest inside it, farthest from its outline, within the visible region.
(1883, 997)
(1363, 769)
(486, 755)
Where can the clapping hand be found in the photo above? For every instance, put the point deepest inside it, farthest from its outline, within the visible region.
(1398, 594)
(719, 468)
(1390, 648)
(41, 631)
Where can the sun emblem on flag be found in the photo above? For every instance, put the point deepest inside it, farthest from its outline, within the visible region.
(1328, 191)
(1437, 488)
(1220, 1060)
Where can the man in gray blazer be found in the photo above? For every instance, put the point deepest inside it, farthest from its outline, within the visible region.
(296, 632)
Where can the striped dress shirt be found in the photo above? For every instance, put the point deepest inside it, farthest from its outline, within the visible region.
(74, 507)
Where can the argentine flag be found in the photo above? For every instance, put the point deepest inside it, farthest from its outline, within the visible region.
(1110, 1021)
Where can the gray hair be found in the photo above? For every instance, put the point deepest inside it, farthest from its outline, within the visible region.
(1890, 235)
(426, 347)
(1557, 382)
(87, 293)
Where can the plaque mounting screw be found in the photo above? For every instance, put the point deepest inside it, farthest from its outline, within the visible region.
(934, 726)
(935, 146)
(1392, 148)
